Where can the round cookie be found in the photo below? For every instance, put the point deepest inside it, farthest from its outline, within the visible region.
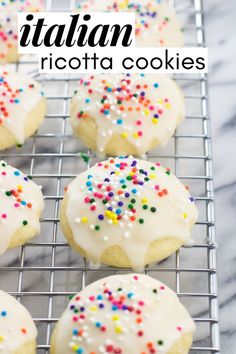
(122, 114)
(8, 26)
(127, 212)
(21, 204)
(17, 330)
(124, 314)
(22, 108)
(157, 24)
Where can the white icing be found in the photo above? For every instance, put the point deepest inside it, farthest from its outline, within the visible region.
(19, 206)
(163, 318)
(174, 215)
(153, 118)
(16, 325)
(157, 24)
(8, 21)
(16, 86)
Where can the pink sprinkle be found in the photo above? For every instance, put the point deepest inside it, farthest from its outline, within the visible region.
(4, 216)
(139, 122)
(157, 187)
(135, 277)
(162, 287)
(4, 173)
(179, 328)
(75, 318)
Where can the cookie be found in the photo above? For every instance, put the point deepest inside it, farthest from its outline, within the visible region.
(22, 108)
(157, 24)
(17, 330)
(122, 114)
(8, 26)
(127, 212)
(124, 314)
(21, 204)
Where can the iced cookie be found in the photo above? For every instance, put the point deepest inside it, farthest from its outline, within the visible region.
(122, 114)
(22, 108)
(8, 26)
(124, 314)
(127, 212)
(157, 24)
(21, 204)
(17, 329)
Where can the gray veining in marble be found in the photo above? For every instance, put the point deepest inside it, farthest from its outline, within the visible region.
(221, 39)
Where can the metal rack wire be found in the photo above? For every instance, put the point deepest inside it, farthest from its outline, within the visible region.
(45, 271)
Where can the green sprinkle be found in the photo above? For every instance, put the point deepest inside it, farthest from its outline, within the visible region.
(133, 201)
(85, 157)
(160, 342)
(141, 221)
(25, 222)
(153, 209)
(145, 207)
(154, 291)
(97, 227)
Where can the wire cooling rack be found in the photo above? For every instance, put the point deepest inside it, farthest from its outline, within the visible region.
(43, 273)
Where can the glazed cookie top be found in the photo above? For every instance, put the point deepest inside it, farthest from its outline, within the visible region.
(16, 325)
(128, 203)
(123, 314)
(140, 108)
(21, 202)
(8, 21)
(19, 95)
(157, 24)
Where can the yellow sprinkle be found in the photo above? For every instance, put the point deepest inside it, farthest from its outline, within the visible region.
(168, 105)
(75, 347)
(146, 112)
(152, 176)
(1, 338)
(154, 120)
(144, 200)
(115, 222)
(135, 135)
(118, 329)
(185, 215)
(93, 308)
(117, 173)
(160, 101)
(84, 219)
(115, 318)
(124, 135)
(20, 187)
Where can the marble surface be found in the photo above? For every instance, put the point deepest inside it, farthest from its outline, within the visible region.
(221, 42)
(221, 39)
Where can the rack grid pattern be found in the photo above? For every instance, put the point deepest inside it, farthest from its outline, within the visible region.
(44, 272)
